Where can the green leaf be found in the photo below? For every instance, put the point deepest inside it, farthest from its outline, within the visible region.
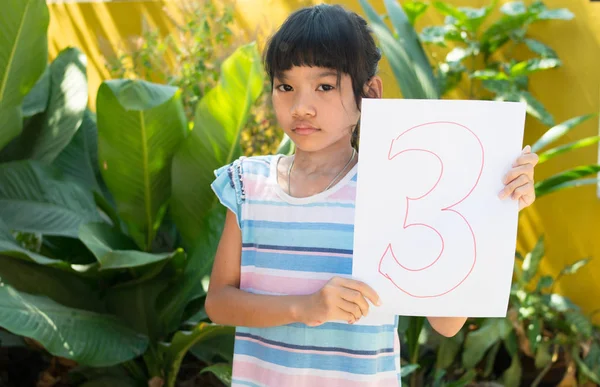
(414, 9)
(499, 32)
(36, 101)
(545, 282)
(535, 108)
(543, 356)
(87, 337)
(559, 303)
(79, 159)
(67, 103)
(534, 333)
(569, 184)
(409, 40)
(67, 287)
(476, 16)
(465, 380)
(566, 179)
(583, 367)
(221, 371)
(218, 345)
(189, 286)
(491, 359)
(115, 250)
(556, 132)
(512, 376)
(34, 199)
(10, 247)
(533, 65)
(408, 369)
(479, 341)
(448, 350)
(404, 69)
(579, 323)
(449, 10)
(592, 360)
(540, 48)
(214, 142)
(575, 266)
(286, 146)
(488, 74)
(140, 125)
(532, 261)
(23, 58)
(135, 304)
(550, 153)
(513, 8)
(555, 14)
(436, 34)
(499, 87)
(181, 343)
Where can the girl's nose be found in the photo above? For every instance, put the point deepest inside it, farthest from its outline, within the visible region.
(303, 106)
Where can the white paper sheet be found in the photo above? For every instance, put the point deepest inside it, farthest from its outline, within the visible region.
(431, 235)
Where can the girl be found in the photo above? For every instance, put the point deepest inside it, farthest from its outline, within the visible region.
(282, 266)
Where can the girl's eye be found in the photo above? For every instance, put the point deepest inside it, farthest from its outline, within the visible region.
(284, 87)
(325, 88)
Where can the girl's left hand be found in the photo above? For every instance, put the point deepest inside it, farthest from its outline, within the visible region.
(518, 182)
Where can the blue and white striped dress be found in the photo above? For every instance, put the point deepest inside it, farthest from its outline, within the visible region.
(293, 246)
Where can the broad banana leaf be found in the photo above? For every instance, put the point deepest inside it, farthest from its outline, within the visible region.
(66, 288)
(35, 199)
(79, 159)
(556, 132)
(182, 342)
(67, 103)
(214, 142)
(23, 58)
(9, 246)
(405, 55)
(89, 338)
(140, 125)
(114, 250)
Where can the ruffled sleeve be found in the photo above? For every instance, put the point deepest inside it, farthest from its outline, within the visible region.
(229, 188)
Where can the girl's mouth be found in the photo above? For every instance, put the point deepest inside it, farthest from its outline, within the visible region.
(305, 131)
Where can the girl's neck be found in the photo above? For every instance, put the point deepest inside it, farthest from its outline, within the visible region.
(325, 162)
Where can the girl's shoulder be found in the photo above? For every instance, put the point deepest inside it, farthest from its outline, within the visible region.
(243, 177)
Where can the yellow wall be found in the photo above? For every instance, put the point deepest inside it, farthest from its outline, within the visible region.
(570, 220)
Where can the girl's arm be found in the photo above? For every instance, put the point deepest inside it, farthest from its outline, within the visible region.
(226, 304)
(447, 326)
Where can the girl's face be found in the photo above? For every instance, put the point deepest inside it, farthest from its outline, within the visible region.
(312, 110)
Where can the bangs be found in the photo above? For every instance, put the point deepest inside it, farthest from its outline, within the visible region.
(320, 36)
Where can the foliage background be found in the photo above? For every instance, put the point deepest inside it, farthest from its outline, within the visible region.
(569, 219)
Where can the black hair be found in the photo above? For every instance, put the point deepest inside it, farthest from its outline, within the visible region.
(325, 36)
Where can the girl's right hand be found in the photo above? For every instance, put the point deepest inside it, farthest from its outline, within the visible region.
(340, 299)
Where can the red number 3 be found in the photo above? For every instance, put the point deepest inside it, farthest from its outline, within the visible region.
(431, 215)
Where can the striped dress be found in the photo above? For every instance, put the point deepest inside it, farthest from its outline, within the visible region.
(293, 246)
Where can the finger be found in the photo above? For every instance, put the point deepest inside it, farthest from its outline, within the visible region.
(526, 169)
(513, 185)
(363, 288)
(527, 158)
(356, 297)
(351, 308)
(341, 314)
(525, 189)
(526, 200)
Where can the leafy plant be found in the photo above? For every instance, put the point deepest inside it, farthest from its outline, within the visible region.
(542, 325)
(190, 59)
(482, 58)
(96, 263)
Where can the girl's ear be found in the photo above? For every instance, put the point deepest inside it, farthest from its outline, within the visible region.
(374, 87)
